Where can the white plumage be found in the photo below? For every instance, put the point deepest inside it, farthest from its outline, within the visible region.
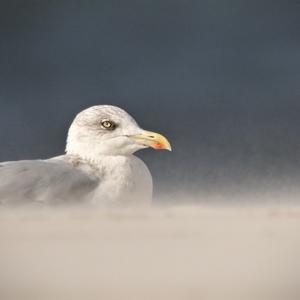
(99, 166)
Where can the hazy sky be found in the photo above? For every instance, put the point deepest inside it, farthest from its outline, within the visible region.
(219, 78)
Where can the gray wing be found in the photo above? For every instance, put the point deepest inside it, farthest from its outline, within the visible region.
(44, 181)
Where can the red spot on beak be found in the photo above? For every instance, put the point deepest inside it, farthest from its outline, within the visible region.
(158, 146)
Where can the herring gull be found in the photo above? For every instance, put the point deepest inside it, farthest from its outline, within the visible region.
(98, 167)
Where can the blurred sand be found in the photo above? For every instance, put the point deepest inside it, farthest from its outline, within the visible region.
(193, 252)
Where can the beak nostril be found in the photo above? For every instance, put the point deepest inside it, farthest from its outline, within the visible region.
(151, 136)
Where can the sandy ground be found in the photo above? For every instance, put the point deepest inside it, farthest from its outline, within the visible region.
(193, 252)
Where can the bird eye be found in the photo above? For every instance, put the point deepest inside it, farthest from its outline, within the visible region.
(107, 124)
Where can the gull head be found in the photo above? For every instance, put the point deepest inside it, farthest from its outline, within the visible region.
(109, 130)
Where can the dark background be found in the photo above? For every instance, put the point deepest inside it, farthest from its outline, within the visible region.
(219, 78)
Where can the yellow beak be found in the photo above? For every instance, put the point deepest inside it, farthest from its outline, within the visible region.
(152, 139)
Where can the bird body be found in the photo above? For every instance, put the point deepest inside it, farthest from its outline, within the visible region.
(71, 179)
(98, 168)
